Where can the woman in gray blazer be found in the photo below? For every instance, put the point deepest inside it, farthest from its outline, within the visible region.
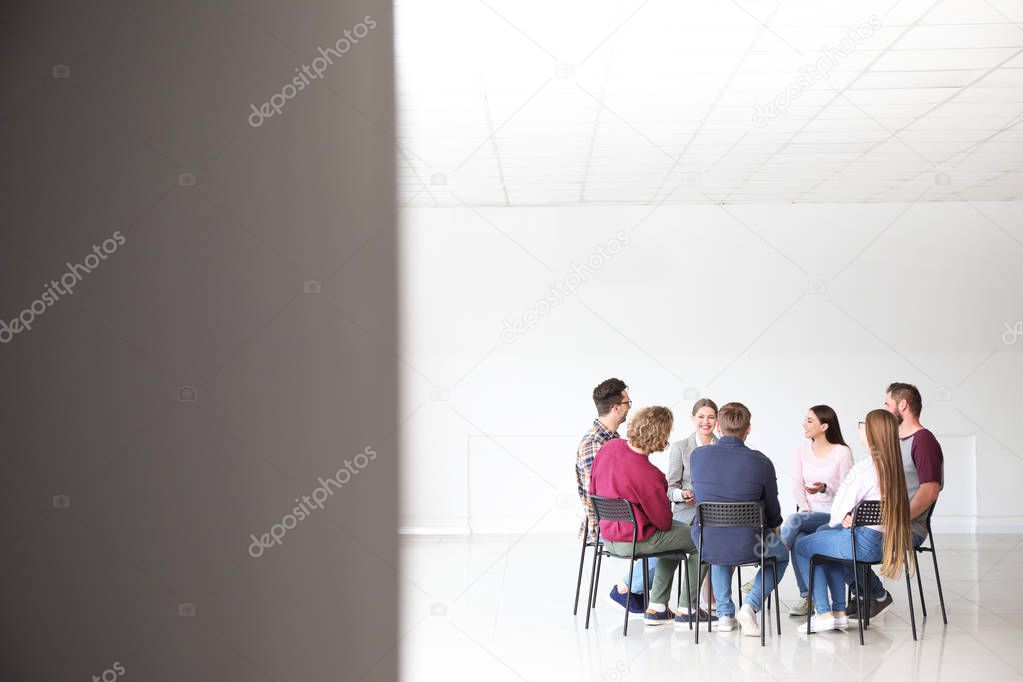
(680, 479)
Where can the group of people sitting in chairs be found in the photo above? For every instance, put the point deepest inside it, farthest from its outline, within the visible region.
(903, 473)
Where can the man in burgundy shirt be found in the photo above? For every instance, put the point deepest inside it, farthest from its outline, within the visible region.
(923, 464)
(622, 469)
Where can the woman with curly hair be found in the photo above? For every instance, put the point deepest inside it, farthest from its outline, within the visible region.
(622, 469)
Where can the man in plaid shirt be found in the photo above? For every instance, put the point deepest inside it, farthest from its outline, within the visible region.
(611, 397)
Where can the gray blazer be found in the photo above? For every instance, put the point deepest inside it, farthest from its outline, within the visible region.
(680, 476)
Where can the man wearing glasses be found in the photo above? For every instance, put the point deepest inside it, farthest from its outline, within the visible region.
(611, 398)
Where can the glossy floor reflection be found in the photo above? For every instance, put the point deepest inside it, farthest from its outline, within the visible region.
(494, 608)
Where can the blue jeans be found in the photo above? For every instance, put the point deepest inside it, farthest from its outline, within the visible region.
(837, 543)
(721, 579)
(797, 526)
(874, 586)
(636, 584)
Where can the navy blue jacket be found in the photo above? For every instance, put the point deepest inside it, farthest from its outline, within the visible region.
(728, 471)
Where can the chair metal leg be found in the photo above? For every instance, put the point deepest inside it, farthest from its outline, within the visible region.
(591, 594)
(937, 577)
(628, 600)
(678, 597)
(909, 595)
(579, 579)
(689, 594)
(862, 606)
(777, 607)
(919, 584)
(868, 574)
(600, 560)
(763, 608)
(813, 569)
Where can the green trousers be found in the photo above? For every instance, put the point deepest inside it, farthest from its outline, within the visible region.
(678, 537)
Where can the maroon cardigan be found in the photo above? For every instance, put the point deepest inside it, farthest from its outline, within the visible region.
(620, 471)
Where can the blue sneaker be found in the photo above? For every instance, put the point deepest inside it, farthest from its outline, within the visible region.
(683, 618)
(635, 606)
(658, 617)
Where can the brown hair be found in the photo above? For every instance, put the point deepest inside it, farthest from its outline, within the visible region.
(909, 393)
(650, 427)
(705, 402)
(826, 415)
(733, 419)
(607, 394)
(883, 441)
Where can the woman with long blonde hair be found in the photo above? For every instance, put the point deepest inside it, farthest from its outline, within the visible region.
(877, 477)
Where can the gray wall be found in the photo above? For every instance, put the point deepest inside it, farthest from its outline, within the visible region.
(193, 385)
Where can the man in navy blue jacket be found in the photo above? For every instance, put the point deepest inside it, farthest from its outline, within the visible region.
(728, 471)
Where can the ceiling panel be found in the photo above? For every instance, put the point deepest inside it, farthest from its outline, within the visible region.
(535, 103)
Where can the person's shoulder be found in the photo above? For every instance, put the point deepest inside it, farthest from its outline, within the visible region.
(760, 457)
(927, 438)
(843, 451)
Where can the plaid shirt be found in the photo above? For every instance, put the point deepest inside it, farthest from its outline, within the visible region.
(588, 447)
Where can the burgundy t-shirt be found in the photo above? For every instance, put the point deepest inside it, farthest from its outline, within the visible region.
(927, 457)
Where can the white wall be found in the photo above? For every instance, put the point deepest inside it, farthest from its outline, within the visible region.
(717, 300)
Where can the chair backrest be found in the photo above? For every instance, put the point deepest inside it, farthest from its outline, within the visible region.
(613, 509)
(867, 513)
(730, 515)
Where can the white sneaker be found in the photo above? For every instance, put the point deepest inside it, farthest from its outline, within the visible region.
(747, 619)
(841, 622)
(829, 622)
(725, 624)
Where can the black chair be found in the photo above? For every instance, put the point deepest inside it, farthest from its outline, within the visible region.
(937, 576)
(866, 513)
(741, 515)
(617, 509)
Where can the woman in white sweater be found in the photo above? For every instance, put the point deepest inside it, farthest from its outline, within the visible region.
(877, 477)
(821, 464)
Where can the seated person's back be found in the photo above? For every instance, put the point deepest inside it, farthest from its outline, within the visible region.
(728, 471)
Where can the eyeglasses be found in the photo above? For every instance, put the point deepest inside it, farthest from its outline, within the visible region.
(625, 402)
(862, 424)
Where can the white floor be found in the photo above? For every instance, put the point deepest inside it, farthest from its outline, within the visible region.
(494, 608)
